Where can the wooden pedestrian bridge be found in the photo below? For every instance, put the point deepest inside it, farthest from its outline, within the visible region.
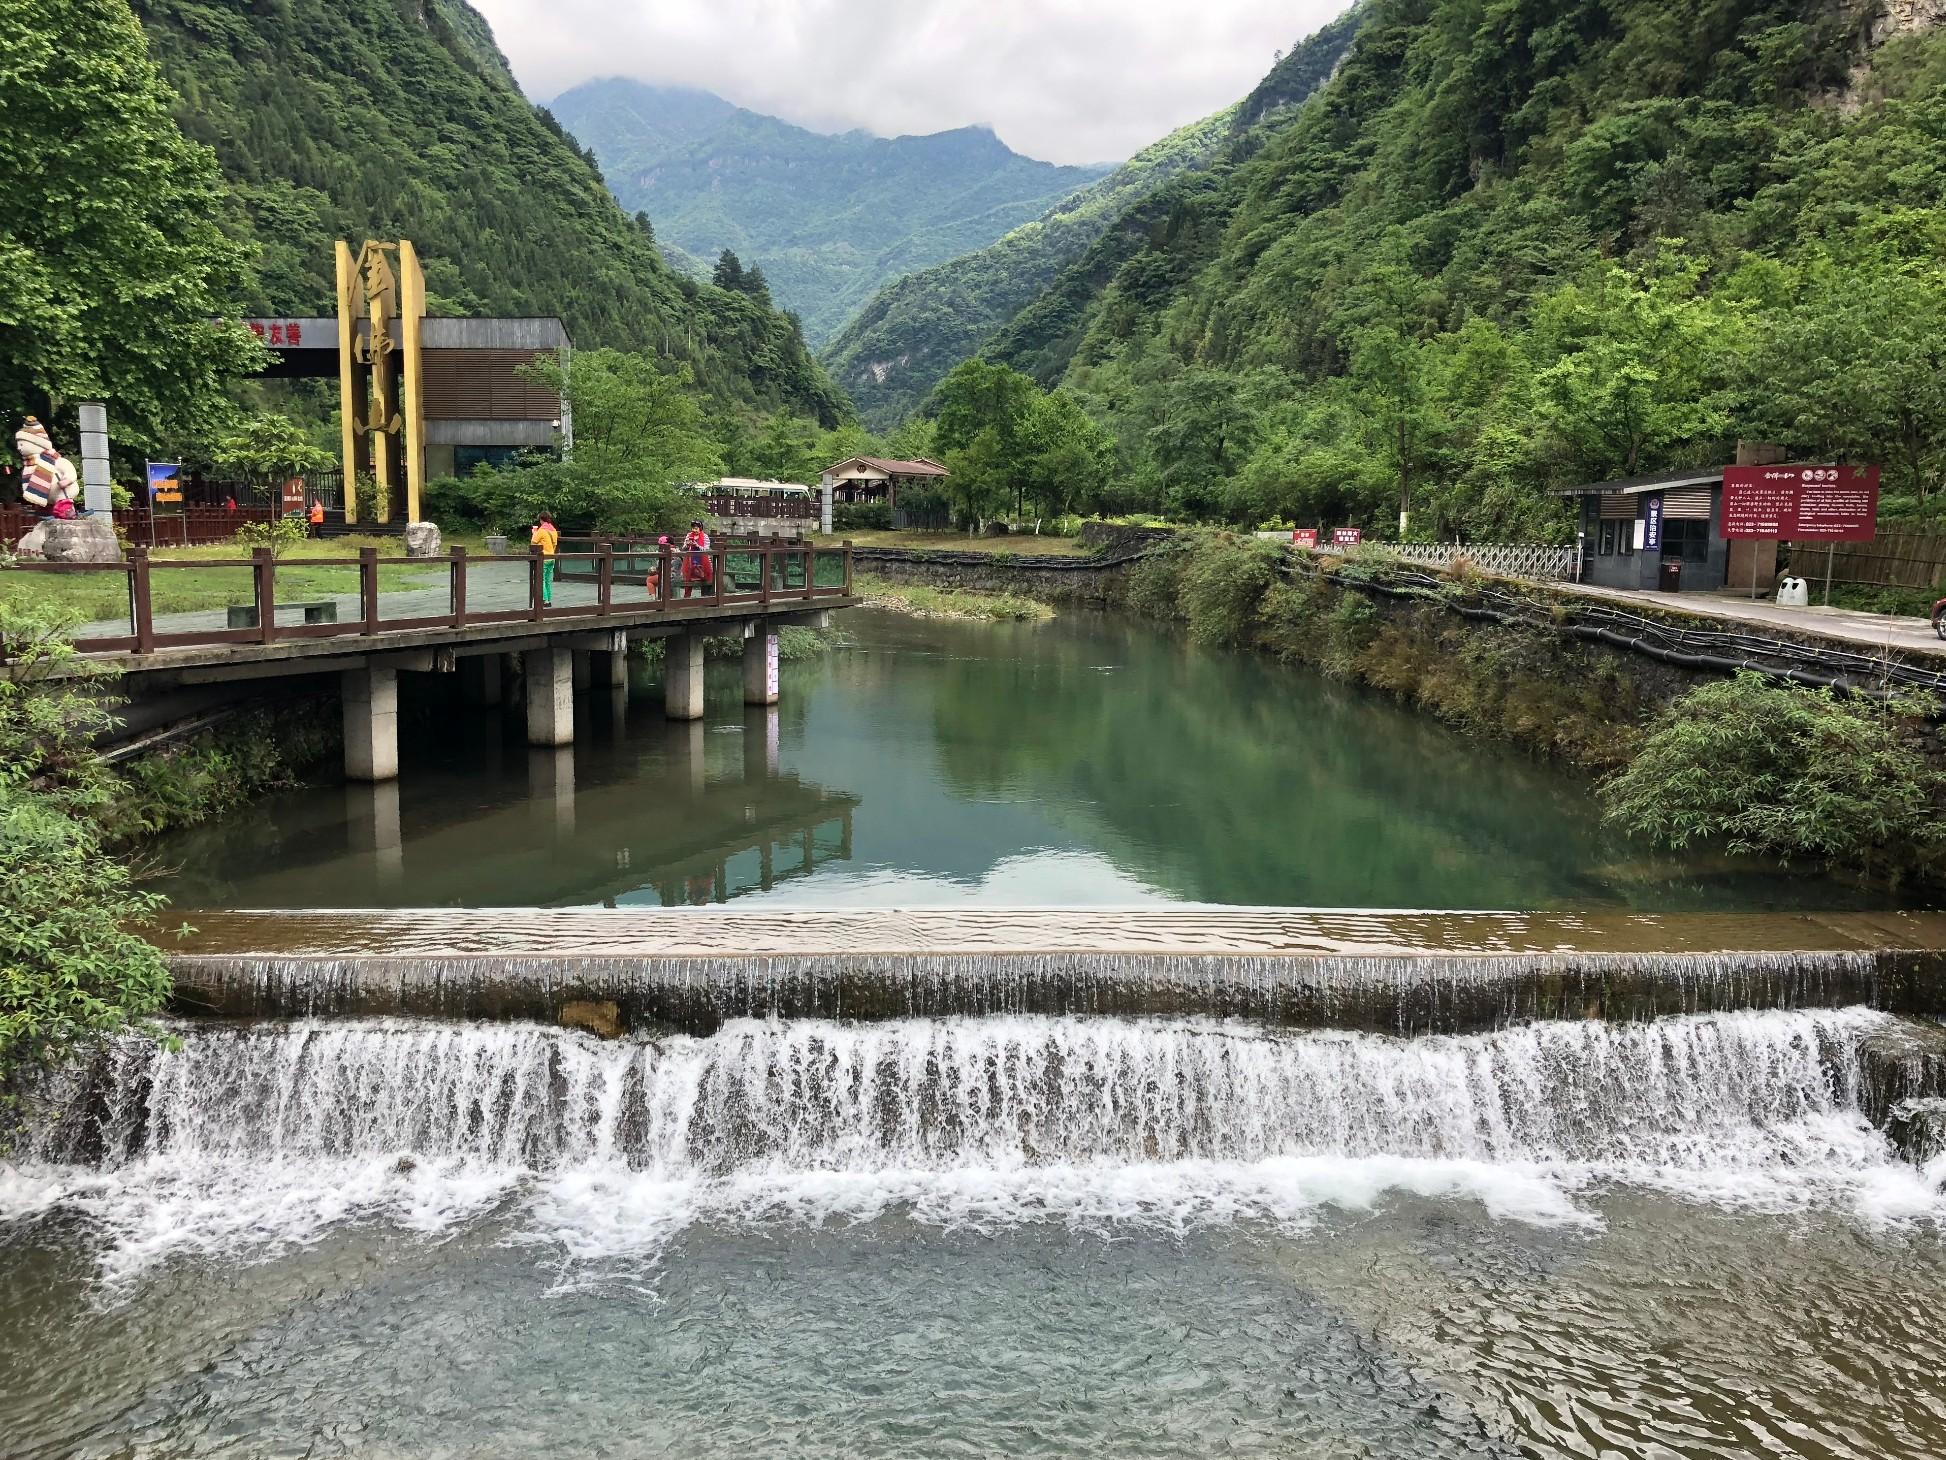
(367, 619)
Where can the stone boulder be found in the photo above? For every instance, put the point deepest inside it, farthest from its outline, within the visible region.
(1917, 1129)
(422, 540)
(78, 540)
(1904, 1061)
(600, 1017)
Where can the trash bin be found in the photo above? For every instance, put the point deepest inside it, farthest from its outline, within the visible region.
(1670, 580)
(1793, 593)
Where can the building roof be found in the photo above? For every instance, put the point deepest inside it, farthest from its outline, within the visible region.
(1633, 486)
(920, 467)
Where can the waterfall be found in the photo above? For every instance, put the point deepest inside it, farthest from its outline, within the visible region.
(273, 1132)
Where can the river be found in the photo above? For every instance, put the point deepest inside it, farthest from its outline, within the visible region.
(1080, 761)
(1038, 1233)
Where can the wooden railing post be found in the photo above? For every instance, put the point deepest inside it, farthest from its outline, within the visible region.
(722, 565)
(664, 584)
(534, 561)
(263, 568)
(368, 588)
(766, 559)
(810, 555)
(605, 576)
(847, 567)
(459, 586)
(141, 604)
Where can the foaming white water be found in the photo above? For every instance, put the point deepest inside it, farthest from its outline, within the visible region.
(254, 1139)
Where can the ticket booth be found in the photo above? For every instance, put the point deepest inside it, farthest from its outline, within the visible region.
(1661, 532)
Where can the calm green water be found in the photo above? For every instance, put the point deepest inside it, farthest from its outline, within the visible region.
(1078, 761)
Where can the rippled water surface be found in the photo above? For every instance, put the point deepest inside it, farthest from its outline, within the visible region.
(1424, 1328)
(1082, 761)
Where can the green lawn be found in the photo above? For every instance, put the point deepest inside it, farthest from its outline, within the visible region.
(924, 602)
(91, 596)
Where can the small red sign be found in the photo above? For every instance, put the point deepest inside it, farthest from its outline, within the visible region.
(293, 494)
(1304, 537)
(1347, 536)
(1801, 503)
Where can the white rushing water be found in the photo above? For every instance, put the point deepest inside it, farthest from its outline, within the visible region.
(247, 1140)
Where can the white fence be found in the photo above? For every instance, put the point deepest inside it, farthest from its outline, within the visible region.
(1543, 561)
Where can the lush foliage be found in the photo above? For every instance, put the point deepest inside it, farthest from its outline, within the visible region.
(639, 434)
(72, 963)
(829, 219)
(1502, 251)
(1783, 771)
(356, 119)
(905, 339)
(269, 447)
(113, 265)
(1010, 445)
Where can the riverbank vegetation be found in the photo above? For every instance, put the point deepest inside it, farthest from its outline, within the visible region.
(74, 963)
(1786, 772)
(924, 601)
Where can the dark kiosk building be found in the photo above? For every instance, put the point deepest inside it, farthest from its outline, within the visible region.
(1654, 532)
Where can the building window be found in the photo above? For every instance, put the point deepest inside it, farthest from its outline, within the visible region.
(465, 458)
(1625, 538)
(1688, 540)
(1607, 547)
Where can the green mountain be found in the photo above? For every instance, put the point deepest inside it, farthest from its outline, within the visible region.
(829, 219)
(894, 351)
(384, 119)
(1510, 247)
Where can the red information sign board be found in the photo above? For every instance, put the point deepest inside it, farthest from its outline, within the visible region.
(1801, 503)
(1304, 537)
(1347, 536)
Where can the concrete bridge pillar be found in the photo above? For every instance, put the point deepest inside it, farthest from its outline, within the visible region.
(479, 680)
(549, 674)
(371, 706)
(611, 668)
(760, 665)
(682, 678)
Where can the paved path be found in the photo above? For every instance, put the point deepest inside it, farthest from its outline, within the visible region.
(1870, 630)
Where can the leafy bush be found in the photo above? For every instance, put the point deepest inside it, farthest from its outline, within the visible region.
(280, 535)
(1783, 772)
(72, 964)
(861, 517)
(1223, 586)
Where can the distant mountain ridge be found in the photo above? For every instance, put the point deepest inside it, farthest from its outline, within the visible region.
(1018, 298)
(829, 219)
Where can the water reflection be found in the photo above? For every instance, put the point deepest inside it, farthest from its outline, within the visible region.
(1081, 762)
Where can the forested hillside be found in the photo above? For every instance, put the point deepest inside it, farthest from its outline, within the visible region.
(1516, 246)
(369, 118)
(828, 219)
(897, 348)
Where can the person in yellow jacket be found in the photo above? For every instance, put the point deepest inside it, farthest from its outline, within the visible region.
(547, 537)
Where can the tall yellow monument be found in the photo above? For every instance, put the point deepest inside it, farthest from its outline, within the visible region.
(381, 310)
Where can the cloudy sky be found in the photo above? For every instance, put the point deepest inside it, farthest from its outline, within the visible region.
(1065, 80)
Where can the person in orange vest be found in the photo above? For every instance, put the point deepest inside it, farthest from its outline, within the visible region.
(317, 517)
(547, 537)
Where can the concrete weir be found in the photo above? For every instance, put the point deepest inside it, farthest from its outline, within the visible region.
(1392, 972)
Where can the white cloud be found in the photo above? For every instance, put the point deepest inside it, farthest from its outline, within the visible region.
(1066, 80)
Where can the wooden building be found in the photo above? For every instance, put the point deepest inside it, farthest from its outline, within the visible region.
(879, 478)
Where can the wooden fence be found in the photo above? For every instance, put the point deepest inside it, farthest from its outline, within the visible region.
(193, 527)
(1893, 559)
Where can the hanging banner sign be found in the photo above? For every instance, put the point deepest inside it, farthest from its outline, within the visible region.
(1652, 522)
(1347, 536)
(1304, 537)
(165, 483)
(1801, 503)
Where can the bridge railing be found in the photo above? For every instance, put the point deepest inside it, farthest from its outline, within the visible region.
(146, 603)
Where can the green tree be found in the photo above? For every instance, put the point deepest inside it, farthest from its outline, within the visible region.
(978, 396)
(728, 273)
(114, 269)
(788, 450)
(1068, 455)
(269, 447)
(1639, 365)
(981, 479)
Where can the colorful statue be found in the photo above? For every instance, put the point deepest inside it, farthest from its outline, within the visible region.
(47, 478)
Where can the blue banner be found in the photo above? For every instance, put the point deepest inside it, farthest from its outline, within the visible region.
(1652, 522)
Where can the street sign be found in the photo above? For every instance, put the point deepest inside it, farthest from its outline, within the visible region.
(1304, 537)
(1347, 536)
(165, 483)
(1801, 503)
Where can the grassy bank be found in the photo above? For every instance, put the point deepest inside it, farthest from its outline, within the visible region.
(794, 644)
(922, 601)
(1022, 544)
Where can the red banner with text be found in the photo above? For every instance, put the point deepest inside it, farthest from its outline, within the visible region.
(1801, 503)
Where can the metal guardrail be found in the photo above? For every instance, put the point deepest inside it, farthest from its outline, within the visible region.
(757, 576)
